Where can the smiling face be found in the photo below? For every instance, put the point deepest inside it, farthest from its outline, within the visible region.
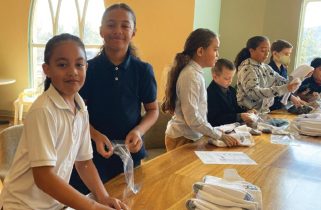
(66, 68)
(117, 29)
(261, 53)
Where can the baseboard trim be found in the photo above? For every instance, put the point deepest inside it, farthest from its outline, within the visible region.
(6, 113)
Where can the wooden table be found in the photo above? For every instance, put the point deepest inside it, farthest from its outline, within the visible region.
(288, 175)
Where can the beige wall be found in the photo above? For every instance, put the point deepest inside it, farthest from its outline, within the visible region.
(243, 19)
(240, 20)
(283, 26)
(13, 50)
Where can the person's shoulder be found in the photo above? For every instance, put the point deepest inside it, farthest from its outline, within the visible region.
(41, 105)
(212, 86)
(139, 64)
(232, 89)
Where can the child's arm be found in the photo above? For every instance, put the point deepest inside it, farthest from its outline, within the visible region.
(89, 175)
(250, 83)
(133, 138)
(46, 180)
(101, 141)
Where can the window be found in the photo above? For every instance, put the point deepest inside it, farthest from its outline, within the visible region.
(309, 45)
(51, 17)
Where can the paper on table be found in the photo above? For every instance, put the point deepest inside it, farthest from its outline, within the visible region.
(298, 75)
(237, 158)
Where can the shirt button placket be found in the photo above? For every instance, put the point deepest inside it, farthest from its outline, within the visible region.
(116, 74)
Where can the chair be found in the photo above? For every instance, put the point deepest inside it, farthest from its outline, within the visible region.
(154, 138)
(26, 98)
(9, 140)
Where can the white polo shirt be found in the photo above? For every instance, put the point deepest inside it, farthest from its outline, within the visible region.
(52, 136)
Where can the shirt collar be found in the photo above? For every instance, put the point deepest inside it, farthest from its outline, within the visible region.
(254, 62)
(275, 67)
(58, 100)
(108, 63)
(196, 66)
(223, 89)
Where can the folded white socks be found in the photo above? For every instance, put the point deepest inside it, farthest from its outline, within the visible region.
(240, 133)
(216, 193)
(308, 124)
(298, 75)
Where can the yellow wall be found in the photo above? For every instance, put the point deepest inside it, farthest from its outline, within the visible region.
(162, 27)
(13, 50)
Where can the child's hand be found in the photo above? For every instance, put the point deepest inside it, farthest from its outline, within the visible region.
(229, 140)
(114, 203)
(314, 96)
(292, 86)
(254, 111)
(134, 141)
(246, 118)
(297, 102)
(101, 143)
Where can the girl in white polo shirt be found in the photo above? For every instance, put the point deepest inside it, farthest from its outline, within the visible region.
(55, 137)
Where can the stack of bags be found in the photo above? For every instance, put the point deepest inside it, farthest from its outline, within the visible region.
(308, 124)
(219, 194)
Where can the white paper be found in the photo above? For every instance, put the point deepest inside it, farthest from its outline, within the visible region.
(298, 75)
(236, 158)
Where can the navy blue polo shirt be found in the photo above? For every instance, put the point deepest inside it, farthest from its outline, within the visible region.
(281, 71)
(284, 73)
(114, 94)
(311, 84)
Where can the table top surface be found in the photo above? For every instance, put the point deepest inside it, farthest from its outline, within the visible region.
(289, 175)
(7, 81)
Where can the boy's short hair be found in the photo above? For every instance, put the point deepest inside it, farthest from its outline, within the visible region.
(218, 68)
(316, 62)
(279, 45)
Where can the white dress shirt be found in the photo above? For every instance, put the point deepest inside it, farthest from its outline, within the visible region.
(190, 117)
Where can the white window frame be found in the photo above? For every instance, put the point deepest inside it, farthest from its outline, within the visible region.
(54, 17)
(301, 24)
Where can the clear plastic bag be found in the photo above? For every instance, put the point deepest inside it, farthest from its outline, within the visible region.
(122, 151)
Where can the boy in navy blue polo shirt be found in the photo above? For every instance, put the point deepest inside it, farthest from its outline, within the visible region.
(311, 87)
(117, 84)
(221, 97)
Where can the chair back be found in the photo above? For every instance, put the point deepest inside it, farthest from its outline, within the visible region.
(9, 140)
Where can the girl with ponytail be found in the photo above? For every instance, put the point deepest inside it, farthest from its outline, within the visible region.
(185, 93)
(257, 82)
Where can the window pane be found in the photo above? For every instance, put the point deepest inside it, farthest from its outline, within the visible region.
(95, 11)
(42, 23)
(81, 4)
(68, 19)
(54, 4)
(92, 52)
(310, 45)
(38, 74)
